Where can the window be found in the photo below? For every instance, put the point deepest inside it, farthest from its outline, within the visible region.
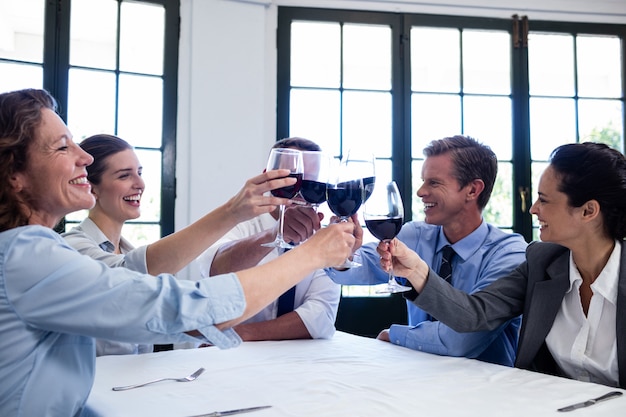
(112, 66)
(394, 82)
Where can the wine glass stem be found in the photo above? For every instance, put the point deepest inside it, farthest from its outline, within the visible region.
(281, 223)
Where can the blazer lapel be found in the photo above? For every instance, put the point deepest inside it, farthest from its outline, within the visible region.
(545, 298)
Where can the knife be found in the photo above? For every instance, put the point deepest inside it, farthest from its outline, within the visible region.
(233, 412)
(612, 394)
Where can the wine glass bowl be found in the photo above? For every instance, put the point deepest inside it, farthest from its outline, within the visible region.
(291, 159)
(363, 164)
(344, 196)
(315, 177)
(384, 216)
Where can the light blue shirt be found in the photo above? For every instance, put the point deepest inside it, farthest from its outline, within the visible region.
(88, 239)
(55, 301)
(483, 256)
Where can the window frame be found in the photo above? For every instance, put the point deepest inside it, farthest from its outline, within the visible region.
(55, 80)
(401, 85)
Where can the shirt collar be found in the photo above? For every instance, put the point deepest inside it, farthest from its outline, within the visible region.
(606, 283)
(89, 227)
(465, 247)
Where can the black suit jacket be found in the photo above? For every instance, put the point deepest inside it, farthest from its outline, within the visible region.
(536, 290)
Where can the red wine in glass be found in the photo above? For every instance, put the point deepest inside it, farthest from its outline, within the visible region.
(289, 191)
(291, 159)
(368, 187)
(384, 228)
(313, 192)
(345, 199)
(384, 216)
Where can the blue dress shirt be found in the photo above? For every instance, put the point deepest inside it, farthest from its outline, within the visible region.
(483, 256)
(55, 301)
(88, 239)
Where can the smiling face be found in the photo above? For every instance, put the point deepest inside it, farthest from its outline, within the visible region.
(558, 221)
(55, 180)
(118, 196)
(444, 200)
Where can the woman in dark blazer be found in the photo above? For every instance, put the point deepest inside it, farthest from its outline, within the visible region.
(571, 292)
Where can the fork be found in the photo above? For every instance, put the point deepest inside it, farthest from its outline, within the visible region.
(184, 379)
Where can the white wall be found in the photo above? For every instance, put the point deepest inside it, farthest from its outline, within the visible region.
(227, 81)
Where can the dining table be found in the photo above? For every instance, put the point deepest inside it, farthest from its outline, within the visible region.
(346, 375)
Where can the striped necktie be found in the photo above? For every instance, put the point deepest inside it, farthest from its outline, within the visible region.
(445, 269)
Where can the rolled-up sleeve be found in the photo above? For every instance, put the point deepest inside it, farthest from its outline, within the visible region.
(68, 292)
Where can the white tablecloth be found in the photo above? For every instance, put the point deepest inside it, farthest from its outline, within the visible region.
(345, 376)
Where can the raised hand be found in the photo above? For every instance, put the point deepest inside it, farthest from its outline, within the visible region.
(330, 245)
(300, 223)
(252, 200)
(395, 256)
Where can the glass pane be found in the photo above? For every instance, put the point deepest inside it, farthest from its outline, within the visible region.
(552, 123)
(601, 121)
(18, 76)
(141, 110)
(141, 234)
(499, 210)
(434, 116)
(315, 54)
(383, 171)
(151, 198)
(21, 30)
(367, 57)
(367, 122)
(91, 103)
(486, 62)
(417, 206)
(599, 66)
(435, 60)
(74, 218)
(93, 33)
(551, 64)
(142, 36)
(308, 108)
(488, 120)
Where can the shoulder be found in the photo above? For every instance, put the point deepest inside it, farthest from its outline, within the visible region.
(544, 251)
(29, 234)
(420, 229)
(499, 239)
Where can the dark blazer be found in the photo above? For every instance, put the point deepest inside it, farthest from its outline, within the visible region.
(535, 289)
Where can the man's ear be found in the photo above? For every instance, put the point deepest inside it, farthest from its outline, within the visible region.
(476, 187)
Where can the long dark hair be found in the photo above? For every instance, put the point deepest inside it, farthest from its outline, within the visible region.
(101, 147)
(594, 171)
(20, 120)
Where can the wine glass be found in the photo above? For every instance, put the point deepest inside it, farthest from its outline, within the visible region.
(384, 215)
(344, 195)
(291, 159)
(315, 177)
(362, 163)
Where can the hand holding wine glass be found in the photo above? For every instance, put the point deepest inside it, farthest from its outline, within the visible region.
(291, 159)
(384, 216)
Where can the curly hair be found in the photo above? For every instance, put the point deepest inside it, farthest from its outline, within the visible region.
(20, 119)
(594, 171)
